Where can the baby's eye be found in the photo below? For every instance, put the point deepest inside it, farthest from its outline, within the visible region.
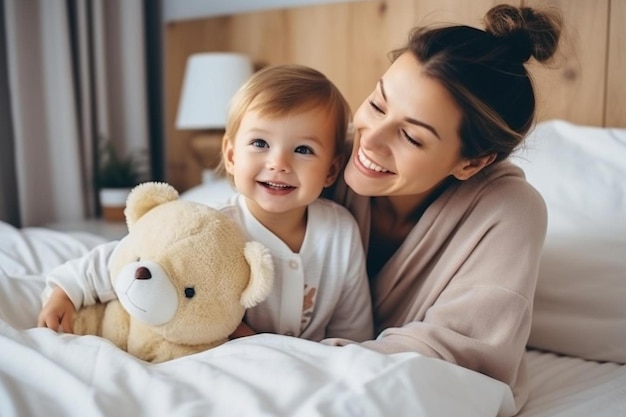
(305, 150)
(259, 143)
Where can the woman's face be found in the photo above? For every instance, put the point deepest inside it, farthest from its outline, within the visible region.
(406, 135)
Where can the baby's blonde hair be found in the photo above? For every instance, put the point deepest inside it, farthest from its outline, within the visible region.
(281, 90)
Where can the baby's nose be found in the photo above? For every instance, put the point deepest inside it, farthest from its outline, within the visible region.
(279, 162)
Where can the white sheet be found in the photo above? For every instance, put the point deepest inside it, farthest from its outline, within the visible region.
(565, 386)
(43, 373)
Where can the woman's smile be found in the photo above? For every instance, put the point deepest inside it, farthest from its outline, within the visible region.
(368, 163)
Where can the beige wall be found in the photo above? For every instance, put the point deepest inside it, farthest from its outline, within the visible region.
(349, 43)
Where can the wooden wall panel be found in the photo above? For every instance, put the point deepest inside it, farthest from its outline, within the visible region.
(376, 28)
(326, 49)
(182, 40)
(345, 45)
(451, 12)
(263, 36)
(349, 42)
(616, 75)
(571, 87)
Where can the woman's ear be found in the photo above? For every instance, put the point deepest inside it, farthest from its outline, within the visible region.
(228, 154)
(467, 168)
(334, 170)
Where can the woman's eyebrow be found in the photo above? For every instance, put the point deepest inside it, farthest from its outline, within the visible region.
(381, 87)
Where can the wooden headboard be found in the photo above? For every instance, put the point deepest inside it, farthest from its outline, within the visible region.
(349, 42)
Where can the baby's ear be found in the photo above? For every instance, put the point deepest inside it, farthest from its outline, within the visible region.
(334, 170)
(228, 154)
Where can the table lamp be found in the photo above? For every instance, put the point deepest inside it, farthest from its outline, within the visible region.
(211, 79)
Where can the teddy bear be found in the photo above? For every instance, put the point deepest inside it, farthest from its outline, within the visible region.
(184, 276)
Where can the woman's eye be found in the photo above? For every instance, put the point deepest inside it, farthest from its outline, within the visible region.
(410, 139)
(305, 150)
(376, 108)
(259, 143)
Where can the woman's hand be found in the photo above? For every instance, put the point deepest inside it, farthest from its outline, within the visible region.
(57, 314)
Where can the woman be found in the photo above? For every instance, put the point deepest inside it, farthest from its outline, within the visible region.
(453, 230)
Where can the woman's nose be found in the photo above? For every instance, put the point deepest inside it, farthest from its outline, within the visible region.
(374, 136)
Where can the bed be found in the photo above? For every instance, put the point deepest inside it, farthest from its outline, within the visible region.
(576, 353)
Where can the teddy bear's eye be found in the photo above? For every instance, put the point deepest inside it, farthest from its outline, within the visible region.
(190, 292)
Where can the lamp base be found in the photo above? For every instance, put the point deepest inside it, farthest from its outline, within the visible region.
(207, 148)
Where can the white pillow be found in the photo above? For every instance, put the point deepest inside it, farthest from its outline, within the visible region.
(580, 303)
(581, 173)
(214, 190)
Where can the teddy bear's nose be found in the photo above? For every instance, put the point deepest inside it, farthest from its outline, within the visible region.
(142, 273)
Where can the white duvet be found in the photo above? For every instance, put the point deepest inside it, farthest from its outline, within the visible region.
(46, 374)
(43, 373)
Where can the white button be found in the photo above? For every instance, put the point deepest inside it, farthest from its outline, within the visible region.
(293, 264)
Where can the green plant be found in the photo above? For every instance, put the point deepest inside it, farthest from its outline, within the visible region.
(117, 171)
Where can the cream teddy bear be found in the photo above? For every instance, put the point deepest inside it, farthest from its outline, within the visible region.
(184, 276)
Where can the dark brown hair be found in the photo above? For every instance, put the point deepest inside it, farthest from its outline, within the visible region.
(485, 73)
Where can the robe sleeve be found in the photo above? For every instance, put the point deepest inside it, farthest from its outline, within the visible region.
(482, 317)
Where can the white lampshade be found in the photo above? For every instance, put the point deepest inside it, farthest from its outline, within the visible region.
(211, 80)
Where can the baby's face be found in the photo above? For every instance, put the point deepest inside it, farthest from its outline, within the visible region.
(282, 163)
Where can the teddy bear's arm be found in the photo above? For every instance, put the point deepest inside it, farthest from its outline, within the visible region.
(116, 324)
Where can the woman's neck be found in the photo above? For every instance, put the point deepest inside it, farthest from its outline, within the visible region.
(398, 210)
(392, 219)
(407, 209)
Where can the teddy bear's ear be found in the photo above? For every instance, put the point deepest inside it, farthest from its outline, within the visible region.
(261, 274)
(145, 197)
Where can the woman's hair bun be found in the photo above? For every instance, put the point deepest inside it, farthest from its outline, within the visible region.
(526, 31)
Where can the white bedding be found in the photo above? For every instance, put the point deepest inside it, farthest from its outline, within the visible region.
(573, 387)
(50, 375)
(47, 374)
(43, 373)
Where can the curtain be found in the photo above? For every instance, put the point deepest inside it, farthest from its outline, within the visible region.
(8, 185)
(76, 73)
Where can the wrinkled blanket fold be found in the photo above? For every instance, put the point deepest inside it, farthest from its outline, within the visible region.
(43, 373)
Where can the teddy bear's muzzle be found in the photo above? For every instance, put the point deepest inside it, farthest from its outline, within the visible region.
(146, 292)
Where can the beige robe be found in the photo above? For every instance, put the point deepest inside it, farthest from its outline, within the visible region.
(461, 286)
